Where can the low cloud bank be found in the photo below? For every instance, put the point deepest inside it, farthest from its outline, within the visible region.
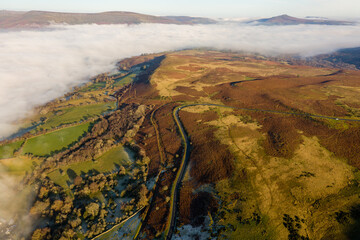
(38, 66)
(15, 221)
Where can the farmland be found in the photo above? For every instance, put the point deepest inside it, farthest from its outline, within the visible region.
(7, 150)
(75, 114)
(54, 141)
(19, 166)
(108, 162)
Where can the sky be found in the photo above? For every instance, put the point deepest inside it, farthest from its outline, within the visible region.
(205, 8)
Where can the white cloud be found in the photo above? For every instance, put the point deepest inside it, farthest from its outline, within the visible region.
(14, 204)
(38, 66)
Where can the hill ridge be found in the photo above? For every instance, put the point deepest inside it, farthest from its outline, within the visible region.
(39, 18)
(285, 19)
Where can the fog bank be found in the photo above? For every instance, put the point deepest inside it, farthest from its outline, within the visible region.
(14, 206)
(38, 66)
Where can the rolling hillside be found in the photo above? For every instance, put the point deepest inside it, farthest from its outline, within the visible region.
(12, 19)
(288, 20)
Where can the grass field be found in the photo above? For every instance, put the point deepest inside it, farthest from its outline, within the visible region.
(119, 82)
(54, 141)
(105, 163)
(18, 166)
(94, 87)
(75, 114)
(7, 150)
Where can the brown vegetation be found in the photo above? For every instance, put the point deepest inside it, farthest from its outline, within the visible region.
(282, 138)
(237, 153)
(210, 160)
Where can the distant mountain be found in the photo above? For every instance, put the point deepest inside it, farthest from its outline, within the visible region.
(192, 20)
(288, 20)
(11, 19)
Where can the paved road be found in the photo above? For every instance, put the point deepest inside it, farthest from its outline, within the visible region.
(179, 176)
(185, 159)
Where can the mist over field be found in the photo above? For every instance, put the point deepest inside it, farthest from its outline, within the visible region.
(37, 66)
(14, 204)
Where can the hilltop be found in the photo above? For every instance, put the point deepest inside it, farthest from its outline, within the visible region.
(288, 20)
(12, 19)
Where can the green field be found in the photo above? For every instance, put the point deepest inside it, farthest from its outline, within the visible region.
(119, 82)
(18, 166)
(94, 87)
(105, 163)
(77, 113)
(45, 144)
(7, 150)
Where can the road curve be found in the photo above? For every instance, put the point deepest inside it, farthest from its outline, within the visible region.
(179, 176)
(185, 159)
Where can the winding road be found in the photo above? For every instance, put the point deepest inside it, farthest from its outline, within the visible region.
(171, 223)
(179, 176)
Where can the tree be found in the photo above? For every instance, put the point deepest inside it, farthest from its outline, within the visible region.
(57, 205)
(122, 170)
(78, 180)
(93, 187)
(41, 233)
(76, 222)
(92, 210)
(143, 200)
(39, 207)
(43, 192)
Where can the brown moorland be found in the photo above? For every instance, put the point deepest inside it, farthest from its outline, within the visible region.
(252, 174)
(237, 156)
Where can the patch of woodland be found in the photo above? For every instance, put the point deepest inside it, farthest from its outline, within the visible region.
(60, 215)
(146, 139)
(106, 133)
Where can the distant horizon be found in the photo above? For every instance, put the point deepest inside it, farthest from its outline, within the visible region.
(200, 8)
(165, 15)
